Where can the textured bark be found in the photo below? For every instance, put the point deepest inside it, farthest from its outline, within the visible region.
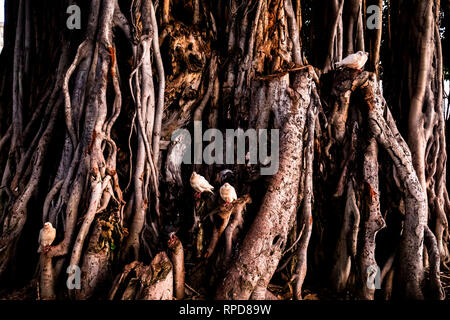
(96, 268)
(141, 282)
(46, 283)
(266, 239)
(374, 223)
(387, 136)
(374, 36)
(348, 235)
(176, 255)
(86, 123)
(415, 88)
(306, 210)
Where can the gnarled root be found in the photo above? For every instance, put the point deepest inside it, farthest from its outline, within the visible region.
(265, 241)
(141, 282)
(347, 243)
(96, 267)
(47, 276)
(176, 254)
(437, 292)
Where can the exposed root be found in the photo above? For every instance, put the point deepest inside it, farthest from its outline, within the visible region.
(141, 282)
(176, 254)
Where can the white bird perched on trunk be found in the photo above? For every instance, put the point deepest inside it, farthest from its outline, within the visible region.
(46, 237)
(200, 184)
(228, 193)
(354, 61)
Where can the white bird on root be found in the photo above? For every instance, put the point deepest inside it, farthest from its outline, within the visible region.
(200, 184)
(354, 61)
(228, 193)
(46, 237)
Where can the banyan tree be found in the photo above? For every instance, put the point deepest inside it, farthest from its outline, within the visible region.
(93, 94)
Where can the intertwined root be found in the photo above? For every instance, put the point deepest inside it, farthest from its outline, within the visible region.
(258, 78)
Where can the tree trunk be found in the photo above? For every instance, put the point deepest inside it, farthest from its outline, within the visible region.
(89, 141)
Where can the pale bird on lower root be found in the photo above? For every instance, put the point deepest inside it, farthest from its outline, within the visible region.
(46, 237)
(228, 193)
(354, 61)
(200, 184)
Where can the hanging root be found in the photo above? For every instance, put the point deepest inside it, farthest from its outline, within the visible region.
(347, 243)
(47, 278)
(306, 216)
(415, 200)
(176, 254)
(437, 292)
(221, 221)
(237, 221)
(384, 131)
(373, 224)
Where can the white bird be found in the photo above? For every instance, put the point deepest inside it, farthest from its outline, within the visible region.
(354, 61)
(46, 237)
(200, 184)
(228, 193)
